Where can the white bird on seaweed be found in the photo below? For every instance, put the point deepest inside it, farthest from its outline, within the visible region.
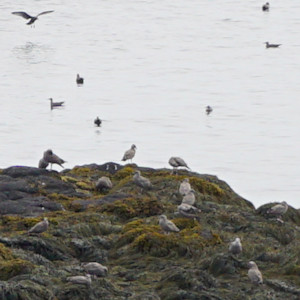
(40, 227)
(184, 187)
(177, 162)
(86, 280)
(96, 269)
(254, 274)
(167, 225)
(278, 210)
(141, 181)
(235, 247)
(189, 198)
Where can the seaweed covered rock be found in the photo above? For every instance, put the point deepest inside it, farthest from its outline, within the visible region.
(119, 228)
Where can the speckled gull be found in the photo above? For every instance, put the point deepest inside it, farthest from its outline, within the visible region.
(27, 16)
(184, 187)
(189, 198)
(141, 181)
(254, 274)
(188, 211)
(278, 210)
(79, 80)
(235, 247)
(103, 183)
(177, 162)
(95, 268)
(87, 280)
(129, 154)
(52, 158)
(39, 227)
(167, 225)
(268, 45)
(55, 104)
(43, 164)
(266, 6)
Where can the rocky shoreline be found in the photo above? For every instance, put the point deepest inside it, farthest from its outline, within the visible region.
(119, 229)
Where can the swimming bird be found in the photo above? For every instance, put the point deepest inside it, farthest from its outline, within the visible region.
(55, 104)
(27, 16)
(266, 6)
(254, 274)
(188, 211)
(177, 162)
(79, 80)
(95, 268)
(235, 247)
(87, 280)
(184, 187)
(103, 183)
(43, 164)
(97, 122)
(278, 210)
(167, 225)
(52, 158)
(268, 45)
(189, 198)
(141, 181)
(129, 154)
(208, 109)
(39, 227)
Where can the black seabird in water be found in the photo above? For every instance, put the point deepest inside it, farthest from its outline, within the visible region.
(97, 122)
(266, 7)
(27, 16)
(79, 80)
(272, 45)
(208, 109)
(55, 104)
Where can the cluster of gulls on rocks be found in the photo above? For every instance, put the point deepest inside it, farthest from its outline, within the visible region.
(185, 209)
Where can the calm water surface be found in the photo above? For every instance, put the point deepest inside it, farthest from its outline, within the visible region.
(150, 69)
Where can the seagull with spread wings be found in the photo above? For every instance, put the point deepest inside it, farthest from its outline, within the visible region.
(27, 16)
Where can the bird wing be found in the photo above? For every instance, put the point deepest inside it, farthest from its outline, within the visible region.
(22, 14)
(171, 225)
(45, 12)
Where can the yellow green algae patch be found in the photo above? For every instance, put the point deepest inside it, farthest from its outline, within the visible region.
(11, 266)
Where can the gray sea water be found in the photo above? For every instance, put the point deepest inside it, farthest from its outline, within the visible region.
(150, 69)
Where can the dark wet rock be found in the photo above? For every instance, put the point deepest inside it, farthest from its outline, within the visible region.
(225, 264)
(20, 171)
(29, 206)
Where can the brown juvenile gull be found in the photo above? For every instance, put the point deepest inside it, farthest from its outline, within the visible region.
(129, 154)
(52, 158)
(79, 80)
(177, 162)
(278, 210)
(39, 227)
(27, 16)
(189, 198)
(55, 104)
(266, 6)
(268, 45)
(103, 183)
(254, 274)
(184, 187)
(87, 280)
(95, 268)
(141, 181)
(97, 122)
(235, 247)
(167, 225)
(43, 164)
(188, 211)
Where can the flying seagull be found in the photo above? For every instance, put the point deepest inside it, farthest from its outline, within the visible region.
(27, 16)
